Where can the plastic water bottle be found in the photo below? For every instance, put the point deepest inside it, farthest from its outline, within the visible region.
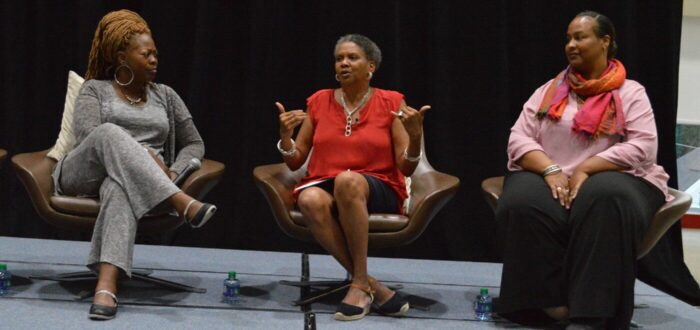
(5, 280)
(483, 306)
(232, 289)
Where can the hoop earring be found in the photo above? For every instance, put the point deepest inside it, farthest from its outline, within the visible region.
(336, 77)
(369, 75)
(117, 80)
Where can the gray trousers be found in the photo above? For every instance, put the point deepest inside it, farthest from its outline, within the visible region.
(110, 164)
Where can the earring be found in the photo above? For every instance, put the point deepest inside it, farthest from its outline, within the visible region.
(336, 77)
(369, 75)
(130, 71)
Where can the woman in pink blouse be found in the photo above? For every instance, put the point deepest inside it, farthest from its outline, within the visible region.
(583, 187)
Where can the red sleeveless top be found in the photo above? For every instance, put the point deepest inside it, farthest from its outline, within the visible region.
(368, 150)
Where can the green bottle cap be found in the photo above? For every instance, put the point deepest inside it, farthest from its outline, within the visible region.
(3, 267)
(484, 292)
(231, 275)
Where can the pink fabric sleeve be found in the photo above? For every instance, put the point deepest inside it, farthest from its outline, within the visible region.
(524, 134)
(639, 147)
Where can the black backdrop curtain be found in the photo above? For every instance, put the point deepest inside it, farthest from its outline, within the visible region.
(475, 62)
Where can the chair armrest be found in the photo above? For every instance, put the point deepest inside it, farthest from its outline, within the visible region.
(276, 182)
(3, 154)
(665, 217)
(430, 192)
(492, 188)
(201, 181)
(34, 171)
(429, 186)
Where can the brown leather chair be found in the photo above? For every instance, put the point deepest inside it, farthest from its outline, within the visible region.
(430, 190)
(3, 154)
(76, 213)
(665, 217)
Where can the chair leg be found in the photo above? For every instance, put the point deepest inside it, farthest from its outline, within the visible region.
(307, 296)
(80, 276)
(67, 277)
(143, 275)
(165, 283)
(330, 286)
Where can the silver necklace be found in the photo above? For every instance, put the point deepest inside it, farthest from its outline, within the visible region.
(349, 113)
(132, 101)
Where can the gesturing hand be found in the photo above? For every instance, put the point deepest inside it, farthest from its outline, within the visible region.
(412, 119)
(289, 120)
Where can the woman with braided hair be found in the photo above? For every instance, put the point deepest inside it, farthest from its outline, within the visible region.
(133, 136)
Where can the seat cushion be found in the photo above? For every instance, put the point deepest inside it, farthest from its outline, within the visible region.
(88, 207)
(66, 137)
(378, 222)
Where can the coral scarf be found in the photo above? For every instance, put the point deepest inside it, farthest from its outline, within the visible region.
(601, 112)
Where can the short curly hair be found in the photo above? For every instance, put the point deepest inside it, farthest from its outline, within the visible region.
(372, 51)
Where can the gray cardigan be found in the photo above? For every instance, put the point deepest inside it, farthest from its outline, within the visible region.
(183, 142)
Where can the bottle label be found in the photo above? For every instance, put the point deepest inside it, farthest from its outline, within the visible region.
(483, 308)
(232, 291)
(483, 305)
(5, 285)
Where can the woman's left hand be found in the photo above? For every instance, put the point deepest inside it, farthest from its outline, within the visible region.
(412, 119)
(575, 182)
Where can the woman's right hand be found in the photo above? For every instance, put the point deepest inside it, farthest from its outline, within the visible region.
(289, 120)
(160, 163)
(559, 184)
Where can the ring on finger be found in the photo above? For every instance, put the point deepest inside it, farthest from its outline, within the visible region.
(558, 188)
(400, 114)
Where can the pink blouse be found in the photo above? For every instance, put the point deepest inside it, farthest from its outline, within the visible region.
(636, 151)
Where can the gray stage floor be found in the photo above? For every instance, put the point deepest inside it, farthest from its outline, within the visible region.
(444, 290)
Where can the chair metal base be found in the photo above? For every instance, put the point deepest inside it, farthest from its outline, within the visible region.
(137, 275)
(328, 287)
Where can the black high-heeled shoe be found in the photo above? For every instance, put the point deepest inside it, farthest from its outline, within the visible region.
(347, 312)
(103, 312)
(396, 306)
(203, 215)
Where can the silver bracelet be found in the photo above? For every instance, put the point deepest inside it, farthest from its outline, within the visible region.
(286, 153)
(551, 169)
(412, 159)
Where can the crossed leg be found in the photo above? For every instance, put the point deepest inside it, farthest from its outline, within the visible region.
(346, 239)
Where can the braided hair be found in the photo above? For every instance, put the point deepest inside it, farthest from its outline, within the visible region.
(113, 33)
(603, 27)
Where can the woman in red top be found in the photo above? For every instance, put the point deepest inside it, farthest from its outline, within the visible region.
(365, 141)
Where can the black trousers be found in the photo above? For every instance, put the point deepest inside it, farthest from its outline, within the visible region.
(583, 258)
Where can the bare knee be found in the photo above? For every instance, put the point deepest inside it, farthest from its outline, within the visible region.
(315, 204)
(350, 187)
